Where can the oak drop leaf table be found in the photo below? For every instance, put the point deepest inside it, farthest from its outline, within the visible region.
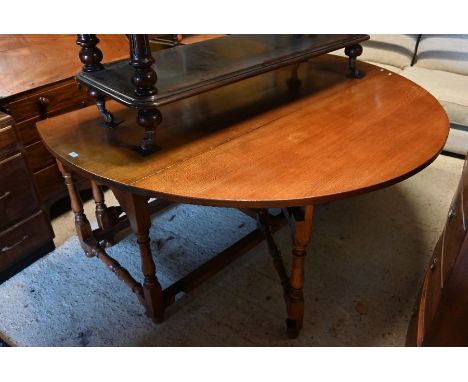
(251, 145)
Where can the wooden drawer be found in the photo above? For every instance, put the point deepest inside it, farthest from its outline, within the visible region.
(50, 184)
(38, 156)
(23, 239)
(27, 131)
(8, 141)
(17, 195)
(48, 102)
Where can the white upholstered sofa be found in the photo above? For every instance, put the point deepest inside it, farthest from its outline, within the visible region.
(438, 63)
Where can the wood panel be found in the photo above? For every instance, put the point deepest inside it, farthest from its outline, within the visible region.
(17, 197)
(8, 141)
(48, 59)
(27, 131)
(61, 98)
(38, 157)
(440, 307)
(22, 239)
(50, 184)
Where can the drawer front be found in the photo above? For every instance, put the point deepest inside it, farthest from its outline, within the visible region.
(27, 131)
(46, 103)
(23, 239)
(50, 184)
(38, 157)
(8, 141)
(17, 195)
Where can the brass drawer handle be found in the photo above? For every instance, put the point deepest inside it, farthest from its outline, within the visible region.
(43, 104)
(6, 248)
(5, 195)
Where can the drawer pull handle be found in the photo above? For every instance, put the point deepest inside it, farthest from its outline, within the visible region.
(5, 195)
(7, 248)
(43, 104)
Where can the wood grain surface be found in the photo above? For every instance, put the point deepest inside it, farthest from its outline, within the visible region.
(50, 58)
(256, 144)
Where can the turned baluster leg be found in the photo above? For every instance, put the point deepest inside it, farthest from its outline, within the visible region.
(82, 225)
(101, 207)
(91, 57)
(136, 208)
(353, 52)
(144, 79)
(149, 119)
(106, 217)
(295, 299)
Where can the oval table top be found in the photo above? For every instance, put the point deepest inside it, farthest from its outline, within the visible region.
(256, 144)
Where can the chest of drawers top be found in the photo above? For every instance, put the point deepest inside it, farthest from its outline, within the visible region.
(30, 62)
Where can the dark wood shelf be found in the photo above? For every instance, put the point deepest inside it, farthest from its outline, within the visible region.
(187, 70)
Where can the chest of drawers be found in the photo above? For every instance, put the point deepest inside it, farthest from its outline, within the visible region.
(36, 82)
(25, 231)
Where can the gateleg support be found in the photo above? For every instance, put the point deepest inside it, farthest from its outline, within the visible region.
(300, 220)
(137, 210)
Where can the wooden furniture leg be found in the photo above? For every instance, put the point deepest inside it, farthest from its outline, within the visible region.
(107, 217)
(353, 52)
(136, 208)
(82, 226)
(144, 79)
(88, 241)
(300, 222)
(301, 232)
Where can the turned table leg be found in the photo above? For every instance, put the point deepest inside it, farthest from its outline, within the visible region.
(300, 223)
(83, 228)
(106, 217)
(302, 229)
(136, 208)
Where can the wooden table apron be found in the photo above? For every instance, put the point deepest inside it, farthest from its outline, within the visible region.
(251, 145)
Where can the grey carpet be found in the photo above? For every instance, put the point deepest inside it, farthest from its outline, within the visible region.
(363, 272)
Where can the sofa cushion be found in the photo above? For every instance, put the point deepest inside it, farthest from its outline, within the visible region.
(396, 50)
(443, 52)
(451, 89)
(390, 51)
(457, 141)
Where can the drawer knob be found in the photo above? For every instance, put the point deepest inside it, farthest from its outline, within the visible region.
(5, 195)
(7, 248)
(43, 104)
